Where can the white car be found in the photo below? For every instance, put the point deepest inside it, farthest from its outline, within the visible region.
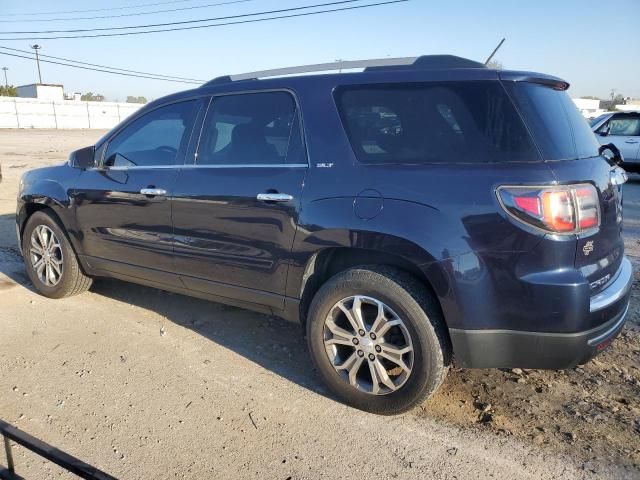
(623, 130)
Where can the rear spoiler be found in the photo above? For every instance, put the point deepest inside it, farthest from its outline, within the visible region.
(533, 77)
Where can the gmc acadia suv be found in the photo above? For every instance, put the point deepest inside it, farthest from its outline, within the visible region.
(417, 212)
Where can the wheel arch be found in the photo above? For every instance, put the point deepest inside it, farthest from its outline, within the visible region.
(326, 263)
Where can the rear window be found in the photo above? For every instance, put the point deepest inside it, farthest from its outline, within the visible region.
(558, 127)
(449, 122)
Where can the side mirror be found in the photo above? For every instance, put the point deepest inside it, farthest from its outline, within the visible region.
(603, 133)
(611, 153)
(83, 158)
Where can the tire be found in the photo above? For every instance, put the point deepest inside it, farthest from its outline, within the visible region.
(68, 279)
(401, 295)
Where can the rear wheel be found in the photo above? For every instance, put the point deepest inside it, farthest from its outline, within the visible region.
(50, 261)
(378, 340)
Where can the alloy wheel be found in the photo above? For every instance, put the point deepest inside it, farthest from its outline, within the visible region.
(46, 256)
(368, 344)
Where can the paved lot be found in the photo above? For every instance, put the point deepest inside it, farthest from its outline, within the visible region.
(146, 384)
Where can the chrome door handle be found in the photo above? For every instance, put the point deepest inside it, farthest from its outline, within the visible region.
(274, 197)
(631, 140)
(153, 192)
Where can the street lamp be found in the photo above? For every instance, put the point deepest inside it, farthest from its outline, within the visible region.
(36, 48)
(6, 83)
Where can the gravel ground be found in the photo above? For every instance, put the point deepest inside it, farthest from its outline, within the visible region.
(147, 384)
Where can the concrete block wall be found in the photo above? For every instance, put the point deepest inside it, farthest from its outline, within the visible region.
(18, 112)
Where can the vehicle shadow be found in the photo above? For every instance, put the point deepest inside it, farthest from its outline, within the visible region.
(271, 342)
(11, 266)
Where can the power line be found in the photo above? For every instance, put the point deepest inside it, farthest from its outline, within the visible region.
(305, 14)
(173, 77)
(184, 22)
(100, 70)
(130, 14)
(96, 9)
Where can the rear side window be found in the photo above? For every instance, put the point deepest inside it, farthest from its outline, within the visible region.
(560, 131)
(452, 122)
(251, 129)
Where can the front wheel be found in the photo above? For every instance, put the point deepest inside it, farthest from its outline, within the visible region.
(378, 339)
(50, 261)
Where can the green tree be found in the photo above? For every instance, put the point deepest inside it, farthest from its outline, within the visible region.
(139, 99)
(9, 91)
(91, 97)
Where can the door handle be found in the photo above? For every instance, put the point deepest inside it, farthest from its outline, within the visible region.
(274, 197)
(153, 192)
(631, 140)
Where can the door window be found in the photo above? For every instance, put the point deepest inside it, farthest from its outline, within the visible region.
(158, 138)
(420, 123)
(251, 129)
(625, 127)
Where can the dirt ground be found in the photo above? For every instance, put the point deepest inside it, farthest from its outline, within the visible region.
(147, 384)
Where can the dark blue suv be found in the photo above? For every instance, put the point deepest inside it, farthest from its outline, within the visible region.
(415, 213)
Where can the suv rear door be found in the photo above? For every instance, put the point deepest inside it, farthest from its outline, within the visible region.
(236, 206)
(568, 145)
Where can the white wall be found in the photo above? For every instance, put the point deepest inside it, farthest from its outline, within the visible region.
(37, 113)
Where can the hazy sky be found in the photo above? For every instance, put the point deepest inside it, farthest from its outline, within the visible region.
(595, 45)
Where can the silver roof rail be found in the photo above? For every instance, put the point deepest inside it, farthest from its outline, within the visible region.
(423, 62)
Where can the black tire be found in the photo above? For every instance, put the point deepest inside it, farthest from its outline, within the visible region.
(73, 281)
(420, 312)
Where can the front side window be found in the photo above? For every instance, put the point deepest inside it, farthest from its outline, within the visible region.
(155, 139)
(418, 123)
(250, 129)
(624, 127)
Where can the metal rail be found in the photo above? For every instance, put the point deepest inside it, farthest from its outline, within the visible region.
(54, 455)
(425, 61)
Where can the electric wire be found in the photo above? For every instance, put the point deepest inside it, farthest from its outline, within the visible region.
(174, 77)
(102, 70)
(194, 27)
(183, 22)
(207, 5)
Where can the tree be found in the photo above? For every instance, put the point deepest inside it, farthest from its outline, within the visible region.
(90, 97)
(9, 91)
(140, 99)
(495, 65)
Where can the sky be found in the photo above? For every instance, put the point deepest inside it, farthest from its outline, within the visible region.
(592, 44)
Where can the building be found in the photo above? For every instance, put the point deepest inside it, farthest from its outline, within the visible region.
(590, 108)
(41, 91)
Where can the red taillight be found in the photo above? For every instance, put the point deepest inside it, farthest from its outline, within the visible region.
(558, 209)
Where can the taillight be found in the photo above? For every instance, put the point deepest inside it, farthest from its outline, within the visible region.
(556, 209)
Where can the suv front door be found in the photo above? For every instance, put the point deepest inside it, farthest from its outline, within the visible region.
(123, 206)
(236, 207)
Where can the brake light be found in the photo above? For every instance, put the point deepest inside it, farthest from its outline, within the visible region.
(557, 209)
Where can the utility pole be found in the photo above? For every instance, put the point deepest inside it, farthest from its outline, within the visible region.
(36, 48)
(6, 83)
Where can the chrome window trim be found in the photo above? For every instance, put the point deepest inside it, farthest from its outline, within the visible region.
(190, 166)
(252, 165)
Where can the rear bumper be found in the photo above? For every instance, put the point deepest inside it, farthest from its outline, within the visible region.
(523, 349)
